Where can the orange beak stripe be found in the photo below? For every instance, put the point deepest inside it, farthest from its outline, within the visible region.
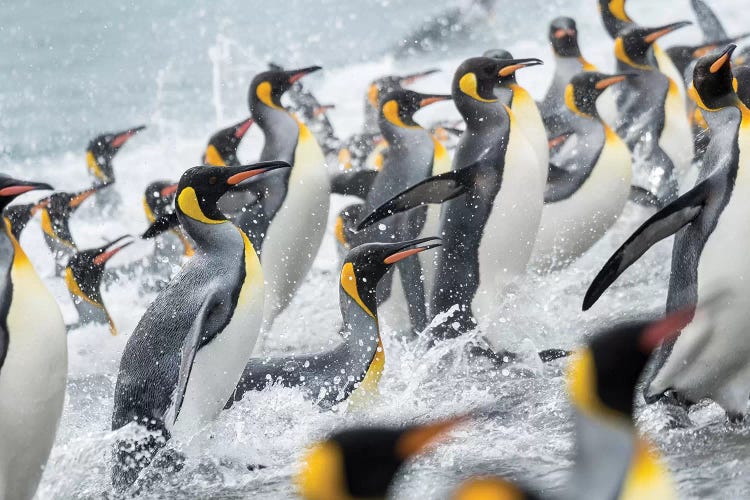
(431, 100)
(607, 82)
(104, 257)
(509, 70)
(169, 190)
(719, 63)
(657, 34)
(417, 439)
(237, 178)
(77, 200)
(398, 256)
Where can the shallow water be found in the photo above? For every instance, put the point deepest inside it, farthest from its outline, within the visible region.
(73, 69)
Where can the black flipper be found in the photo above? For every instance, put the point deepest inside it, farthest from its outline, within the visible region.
(160, 225)
(643, 196)
(664, 223)
(561, 183)
(708, 22)
(436, 190)
(357, 183)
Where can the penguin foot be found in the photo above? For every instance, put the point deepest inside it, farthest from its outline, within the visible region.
(675, 409)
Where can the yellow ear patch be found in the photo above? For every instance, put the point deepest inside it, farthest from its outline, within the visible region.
(322, 475)
(582, 388)
(617, 8)
(188, 203)
(338, 231)
(468, 85)
(349, 284)
(587, 66)
(372, 96)
(263, 91)
(213, 157)
(94, 166)
(621, 55)
(570, 100)
(73, 288)
(390, 111)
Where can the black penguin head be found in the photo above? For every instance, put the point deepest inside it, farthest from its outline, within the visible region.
(222, 147)
(476, 78)
(585, 88)
(563, 35)
(495, 488)
(713, 81)
(104, 147)
(87, 267)
(633, 43)
(397, 107)
(61, 205)
(200, 188)
(159, 199)
(498, 54)
(267, 88)
(385, 84)
(361, 463)
(614, 17)
(602, 377)
(365, 265)
(10, 188)
(19, 215)
(742, 80)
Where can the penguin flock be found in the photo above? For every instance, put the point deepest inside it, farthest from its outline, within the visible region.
(449, 219)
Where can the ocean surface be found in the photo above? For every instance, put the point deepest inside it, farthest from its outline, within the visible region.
(73, 69)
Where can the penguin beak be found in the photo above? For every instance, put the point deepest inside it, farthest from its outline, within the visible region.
(296, 74)
(724, 58)
(242, 128)
(611, 80)
(514, 65)
(562, 33)
(409, 248)
(169, 190)
(409, 79)
(21, 187)
(432, 99)
(656, 33)
(323, 109)
(665, 329)
(247, 171)
(417, 438)
(84, 195)
(556, 141)
(122, 137)
(111, 250)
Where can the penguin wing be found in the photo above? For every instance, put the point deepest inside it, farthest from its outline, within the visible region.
(356, 183)
(643, 196)
(664, 223)
(708, 22)
(561, 184)
(160, 225)
(201, 332)
(437, 189)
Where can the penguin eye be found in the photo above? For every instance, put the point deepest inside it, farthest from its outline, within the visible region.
(212, 180)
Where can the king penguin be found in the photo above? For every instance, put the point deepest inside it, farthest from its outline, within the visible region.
(83, 277)
(611, 459)
(221, 150)
(354, 367)
(288, 220)
(413, 155)
(33, 362)
(711, 235)
(652, 117)
(99, 155)
(56, 211)
(586, 194)
(563, 37)
(185, 356)
(488, 234)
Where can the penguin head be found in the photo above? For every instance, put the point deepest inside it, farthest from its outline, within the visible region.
(61, 205)
(497, 54)
(477, 78)
(602, 376)
(361, 463)
(585, 88)
(389, 83)
(200, 188)
(87, 266)
(633, 43)
(222, 147)
(267, 88)
(492, 488)
(397, 108)
(10, 188)
(159, 199)
(742, 79)
(614, 16)
(104, 147)
(713, 80)
(365, 265)
(563, 35)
